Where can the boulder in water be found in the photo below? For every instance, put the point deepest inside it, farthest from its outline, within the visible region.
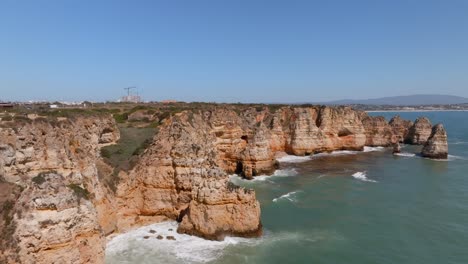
(396, 148)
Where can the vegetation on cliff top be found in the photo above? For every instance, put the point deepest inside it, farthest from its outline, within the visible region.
(123, 155)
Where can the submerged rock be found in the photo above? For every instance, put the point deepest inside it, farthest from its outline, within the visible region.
(436, 146)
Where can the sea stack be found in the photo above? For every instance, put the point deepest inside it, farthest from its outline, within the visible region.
(436, 146)
(396, 148)
(420, 132)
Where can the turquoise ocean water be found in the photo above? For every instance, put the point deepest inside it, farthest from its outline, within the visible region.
(345, 207)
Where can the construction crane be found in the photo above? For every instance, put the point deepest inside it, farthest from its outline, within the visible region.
(128, 89)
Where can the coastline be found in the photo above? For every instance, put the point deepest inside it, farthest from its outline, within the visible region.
(409, 111)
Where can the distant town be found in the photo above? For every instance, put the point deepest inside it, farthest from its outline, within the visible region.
(133, 99)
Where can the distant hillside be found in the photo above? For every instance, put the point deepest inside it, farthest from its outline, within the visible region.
(417, 99)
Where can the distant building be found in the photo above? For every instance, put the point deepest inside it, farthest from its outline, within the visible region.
(168, 101)
(6, 105)
(131, 99)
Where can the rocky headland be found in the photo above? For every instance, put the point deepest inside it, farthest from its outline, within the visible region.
(58, 205)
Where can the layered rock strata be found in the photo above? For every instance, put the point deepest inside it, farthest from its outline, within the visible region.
(436, 146)
(183, 175)
(400, 127)
(54, 164)
(419, 132)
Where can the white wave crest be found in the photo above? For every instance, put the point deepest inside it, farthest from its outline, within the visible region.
(335, 153)
(289, 196)
(372, 149)
(293, 159)
(405, 154)
(236, 179)
(362, 176)
(285, 172)
(133, 247)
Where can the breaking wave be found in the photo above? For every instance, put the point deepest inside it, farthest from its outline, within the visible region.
(236, 179)
(335, 153)
(372, 149)
(293, 159)
(133, 247)
(362, 176)
(285, 172)
(405, 154)
(290, 196)
(299, 159)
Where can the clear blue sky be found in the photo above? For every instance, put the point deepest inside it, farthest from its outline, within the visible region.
(237, 50)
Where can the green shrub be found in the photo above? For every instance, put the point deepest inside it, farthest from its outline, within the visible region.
(79, 191)
(120, 118)
(7, 118)
(39, 179)
(6, 208)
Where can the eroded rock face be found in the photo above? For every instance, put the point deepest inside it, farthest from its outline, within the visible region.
(179, 177)
(60, 223)
(419, 133)
(378, 131)
(436, 146)
(400, 127)
(183, 175)
(229, 210)
(51, 160)
(9, 194)
(320, 129)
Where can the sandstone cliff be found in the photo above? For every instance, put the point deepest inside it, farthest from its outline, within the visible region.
(53, 162)
(419, 132)
(436, 146)
(183, 174)
(63, 209)
(400, 127)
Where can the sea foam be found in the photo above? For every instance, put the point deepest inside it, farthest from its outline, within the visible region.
(290, 196)
(405, 154)
(335, 153)
(133, 247)
(372, 149)
(299, 159)
(362, 176)
(234, 178)
(293, 159)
